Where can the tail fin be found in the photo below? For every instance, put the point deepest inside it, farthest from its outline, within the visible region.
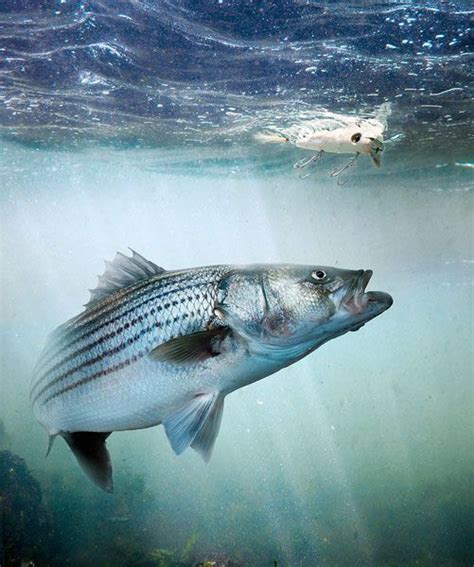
(271, 137)
(91, 453)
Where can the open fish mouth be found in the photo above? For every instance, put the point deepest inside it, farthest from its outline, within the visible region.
(363, 305)
(355, 299)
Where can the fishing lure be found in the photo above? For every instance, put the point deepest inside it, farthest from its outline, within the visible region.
(357, 137)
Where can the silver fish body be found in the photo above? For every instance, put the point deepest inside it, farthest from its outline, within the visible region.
(155, 346)
(95, 375)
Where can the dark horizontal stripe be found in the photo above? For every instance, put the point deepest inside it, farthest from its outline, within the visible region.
(111, 352)
(91, 314)
(120, 296)
(92, 326)
(100, 340)
(90, 362)
(101, 373)
(85, 319)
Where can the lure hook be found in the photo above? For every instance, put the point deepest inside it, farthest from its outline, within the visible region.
(338, 172)
(302, 164)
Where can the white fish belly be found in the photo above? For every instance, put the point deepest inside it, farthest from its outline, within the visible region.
(135, 397)
(143, 394)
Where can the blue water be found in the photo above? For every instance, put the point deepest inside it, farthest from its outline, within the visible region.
(133, 124)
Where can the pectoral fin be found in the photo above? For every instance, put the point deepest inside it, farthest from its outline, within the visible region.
(191, 348)
(91, 453)
(196, 424)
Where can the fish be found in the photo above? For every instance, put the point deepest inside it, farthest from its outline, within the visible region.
(156, 346)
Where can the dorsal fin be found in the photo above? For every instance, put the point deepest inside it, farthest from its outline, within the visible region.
(122, 272)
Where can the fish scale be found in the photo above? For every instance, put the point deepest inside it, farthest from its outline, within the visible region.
(108, 314)
(112, 310)
(87, 341)
(118, 341)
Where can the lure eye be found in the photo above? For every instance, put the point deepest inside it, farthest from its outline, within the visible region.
(318, 275)
(355, 138)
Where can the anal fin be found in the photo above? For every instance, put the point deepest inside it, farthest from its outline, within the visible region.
(196, 424)
(91, 453)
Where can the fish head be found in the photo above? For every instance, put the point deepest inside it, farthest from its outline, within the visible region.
(294, 309)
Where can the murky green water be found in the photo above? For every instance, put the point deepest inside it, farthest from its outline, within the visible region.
(360, 454)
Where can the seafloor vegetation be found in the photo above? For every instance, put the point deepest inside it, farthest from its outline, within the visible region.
(65, 529)
(59, 524)
(64, 521)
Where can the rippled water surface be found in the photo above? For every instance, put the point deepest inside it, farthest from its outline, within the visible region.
(138, 124)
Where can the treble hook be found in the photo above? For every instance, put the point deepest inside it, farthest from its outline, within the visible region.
(337, 172)
(306, 162)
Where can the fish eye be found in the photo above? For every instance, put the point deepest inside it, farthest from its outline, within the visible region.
(318, 275)
(355, 138)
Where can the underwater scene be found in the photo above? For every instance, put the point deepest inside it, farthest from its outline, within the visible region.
(274, 367)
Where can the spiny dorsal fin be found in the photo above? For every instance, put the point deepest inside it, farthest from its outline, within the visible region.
(122, 272)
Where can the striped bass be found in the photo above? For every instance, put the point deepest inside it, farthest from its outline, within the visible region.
(165, 347)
